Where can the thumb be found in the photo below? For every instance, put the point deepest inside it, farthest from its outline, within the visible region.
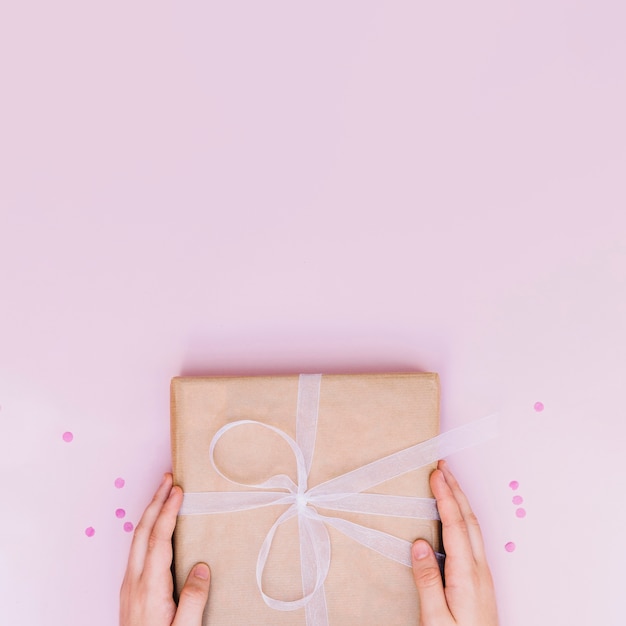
(193, 596)
(433, 606)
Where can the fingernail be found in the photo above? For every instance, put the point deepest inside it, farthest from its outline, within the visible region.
(420, 550)
(201, 571)
(172, 492)
(442, 477)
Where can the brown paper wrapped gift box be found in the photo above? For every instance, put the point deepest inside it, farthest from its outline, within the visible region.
(361, 419)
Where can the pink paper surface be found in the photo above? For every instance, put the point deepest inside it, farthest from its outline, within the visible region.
(349, 187)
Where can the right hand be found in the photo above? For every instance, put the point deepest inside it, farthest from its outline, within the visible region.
(468, 598)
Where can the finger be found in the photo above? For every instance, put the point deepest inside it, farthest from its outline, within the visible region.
(454, 528)
(139, 546)
(159, 556)
(471, 521)
(434, 609)
(193, 597)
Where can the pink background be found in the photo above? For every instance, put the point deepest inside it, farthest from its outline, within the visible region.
(264, 187)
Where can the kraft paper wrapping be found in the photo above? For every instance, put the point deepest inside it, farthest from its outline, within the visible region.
(361, 419)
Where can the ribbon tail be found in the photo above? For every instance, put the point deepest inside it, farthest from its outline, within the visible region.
(229, 501)
(315, 610)
(391, 547)
(379, 504)
(409, 459)
(306, 415)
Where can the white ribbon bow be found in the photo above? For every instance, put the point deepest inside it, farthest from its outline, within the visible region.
(343, 493)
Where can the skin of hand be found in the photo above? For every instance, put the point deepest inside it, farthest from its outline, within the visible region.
(146, 596)
(468, 598)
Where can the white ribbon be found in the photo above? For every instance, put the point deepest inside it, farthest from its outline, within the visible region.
(342, 493)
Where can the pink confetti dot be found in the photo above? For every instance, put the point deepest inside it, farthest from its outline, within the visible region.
(514, 485)
(128, 527)
(120, 513)
(119, 482)
(90, 532)
(538, 406)
(520, 512)
(518, 499)
(68, 436)
(510, 547)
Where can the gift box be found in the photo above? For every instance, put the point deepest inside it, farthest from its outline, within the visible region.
(278, 474)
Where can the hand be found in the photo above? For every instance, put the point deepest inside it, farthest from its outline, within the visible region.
(468, 598)
(146, 596)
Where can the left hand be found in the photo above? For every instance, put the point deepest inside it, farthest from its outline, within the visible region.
(146, 596)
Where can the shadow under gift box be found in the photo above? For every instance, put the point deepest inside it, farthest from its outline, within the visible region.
(361, 419)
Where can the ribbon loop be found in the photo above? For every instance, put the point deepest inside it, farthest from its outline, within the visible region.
(280, 481)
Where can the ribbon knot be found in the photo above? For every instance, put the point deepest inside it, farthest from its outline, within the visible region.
(301, 502)
(342, 493)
